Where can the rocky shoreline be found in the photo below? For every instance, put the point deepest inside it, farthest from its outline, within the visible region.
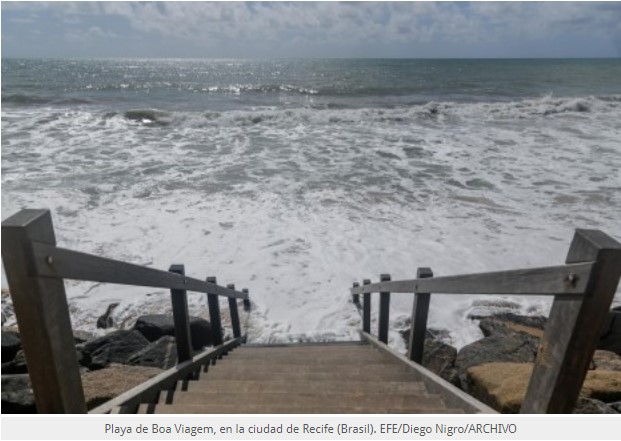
(496, 368)
(109, 365)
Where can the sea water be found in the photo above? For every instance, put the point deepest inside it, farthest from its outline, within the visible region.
(295, 178)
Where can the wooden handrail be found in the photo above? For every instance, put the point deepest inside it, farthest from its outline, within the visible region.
(563, 280)
(583, 290)
(35, 269)
(60, 263)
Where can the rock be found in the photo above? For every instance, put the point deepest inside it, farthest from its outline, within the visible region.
(17, 395)
(115, 347)
(514, 348)
(439, 358)
(11, 343)
(105, 320)
(602, 385)
(83, 336)
(611, 337)
(615, 406)
(17, 365)
(503, 385)
(160, 354)
(103, 385)
(607, 360)
(491, 326)
(155, 326)
(591, 406)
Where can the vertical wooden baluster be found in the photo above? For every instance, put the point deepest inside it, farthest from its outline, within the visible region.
(42, 315)
(246, 301)
(234, 313)
(181, 318)
(420, 312)
(574, 327)
(214, 315)
(366, 309)
(356, 297)
(384, 312)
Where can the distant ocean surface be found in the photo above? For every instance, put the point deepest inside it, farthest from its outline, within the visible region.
(295, 178)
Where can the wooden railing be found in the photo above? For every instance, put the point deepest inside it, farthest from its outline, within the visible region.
(583, 291)
(35, 268)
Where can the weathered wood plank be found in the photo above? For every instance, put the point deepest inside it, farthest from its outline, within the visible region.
(384, 311)
(564, 280)
(452, 396)
(574, 327)
(42, 316)
(366, 309)
(148, 391)
(181, 318)
(234, 313)
(420, 313)
(69, 264)
(214, 315)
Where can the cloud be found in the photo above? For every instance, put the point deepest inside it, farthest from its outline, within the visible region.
(288, 24)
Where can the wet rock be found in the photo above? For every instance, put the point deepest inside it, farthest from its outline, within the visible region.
(591, 406)
(17, 365)
(161, 354)
(155, 326)
(115, 347)
(17, 395)
(83, 336)
(503, 385)
(105, 320)
(611, 336)
(11, 343)
(512, 348)
(439, 358)
(606, 360)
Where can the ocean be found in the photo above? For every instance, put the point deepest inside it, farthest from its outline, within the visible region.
(295, 178)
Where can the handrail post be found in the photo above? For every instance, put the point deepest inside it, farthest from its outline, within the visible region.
(355, 298)
(234, 313)
(420, 313)
(574, 327)
(181, 318)
(384, 312)
(214, 316)
(246, 301)
(366, 309)
(42, 315)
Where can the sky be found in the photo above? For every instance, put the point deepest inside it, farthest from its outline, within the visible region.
(311, 29)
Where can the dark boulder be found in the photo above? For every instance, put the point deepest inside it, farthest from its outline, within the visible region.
(155, 326)
(536, 321)
(115, 347)
(17, 365)
(611, 336)
(17, 395)
(160, 354)
(11, 343)
(439, 358)
(591, 406)
(512, 348)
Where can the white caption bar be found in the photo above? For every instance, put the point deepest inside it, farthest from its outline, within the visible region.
(300, 427)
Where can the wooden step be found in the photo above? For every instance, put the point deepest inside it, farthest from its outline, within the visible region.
(297, 386)
(308, 398)
(288, 409)
(266, 375)
(364, 357)
(242, 371)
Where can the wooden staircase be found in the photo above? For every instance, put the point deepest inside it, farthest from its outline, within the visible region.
(304, 379)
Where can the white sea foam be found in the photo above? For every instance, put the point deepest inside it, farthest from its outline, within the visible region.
(296, 204)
